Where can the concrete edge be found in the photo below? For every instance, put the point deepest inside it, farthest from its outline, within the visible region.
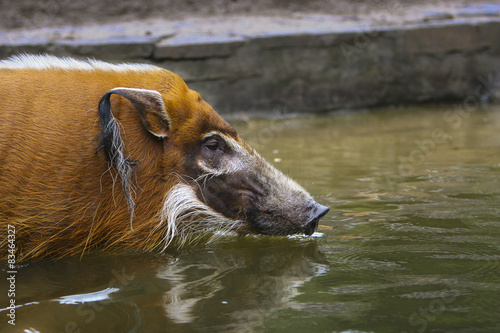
(308, 69)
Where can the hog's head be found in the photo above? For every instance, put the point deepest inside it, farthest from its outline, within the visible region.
(214, 181)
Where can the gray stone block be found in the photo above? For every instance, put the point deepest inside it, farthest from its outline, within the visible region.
(197, 47)
(115, 48)
(440, 39)
(210, 69)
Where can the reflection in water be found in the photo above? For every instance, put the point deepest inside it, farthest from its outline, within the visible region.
(226, 286)
(238, 284)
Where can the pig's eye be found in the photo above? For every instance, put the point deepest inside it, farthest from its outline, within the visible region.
(212, 145)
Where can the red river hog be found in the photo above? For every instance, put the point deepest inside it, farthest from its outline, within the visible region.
(100, 156)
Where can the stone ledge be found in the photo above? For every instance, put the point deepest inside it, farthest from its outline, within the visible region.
(121, 49)
(197, 47)
(310, 64)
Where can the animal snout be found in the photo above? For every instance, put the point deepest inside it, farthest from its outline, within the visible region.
(316, 213)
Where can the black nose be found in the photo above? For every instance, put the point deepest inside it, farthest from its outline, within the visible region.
(316, 213)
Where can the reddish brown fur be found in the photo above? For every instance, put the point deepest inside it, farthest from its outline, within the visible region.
(54, 187)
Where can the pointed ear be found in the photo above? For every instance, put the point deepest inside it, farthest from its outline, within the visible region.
(149, 104)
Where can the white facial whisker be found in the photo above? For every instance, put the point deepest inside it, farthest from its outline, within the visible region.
(183, 214)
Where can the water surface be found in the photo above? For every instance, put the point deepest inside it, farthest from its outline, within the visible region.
(412, 242)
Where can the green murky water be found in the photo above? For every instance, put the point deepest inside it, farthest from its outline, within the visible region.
(412, 242)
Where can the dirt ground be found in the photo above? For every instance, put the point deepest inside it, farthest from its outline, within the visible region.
(29, 14)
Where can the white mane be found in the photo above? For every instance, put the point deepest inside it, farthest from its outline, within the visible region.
(42, 62)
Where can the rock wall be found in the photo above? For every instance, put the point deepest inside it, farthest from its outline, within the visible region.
(308, 64)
